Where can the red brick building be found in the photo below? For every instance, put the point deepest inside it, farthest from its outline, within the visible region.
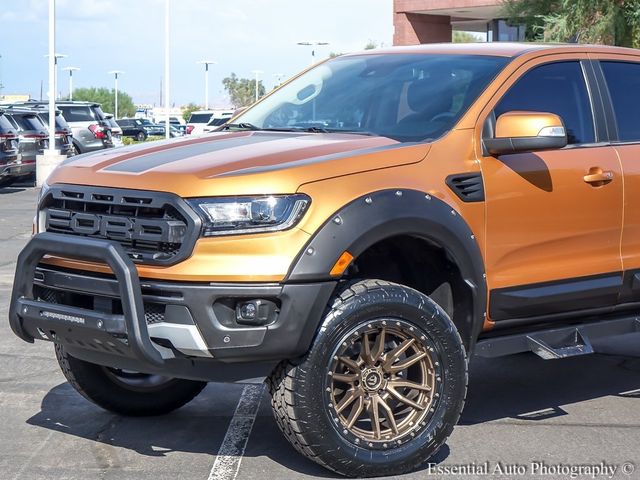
(430, 21)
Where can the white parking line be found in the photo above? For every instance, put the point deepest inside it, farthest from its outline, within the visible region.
(227, 462)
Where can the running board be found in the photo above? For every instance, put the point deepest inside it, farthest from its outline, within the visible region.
(557, 343)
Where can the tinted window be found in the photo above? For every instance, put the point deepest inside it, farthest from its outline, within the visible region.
(29, 122)
(77, 113)
(624, 86)
(555, 88)
(196, 118)
(5, 125)
(98, 113)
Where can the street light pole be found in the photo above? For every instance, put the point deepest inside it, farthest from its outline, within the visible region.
(257, 72)
(53, 61)
(71, 70)
(167, 96)
(115, 73)
(206, 64)
(56, 57)
(313, 50)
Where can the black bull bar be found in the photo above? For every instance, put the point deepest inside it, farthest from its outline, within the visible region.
(29, 317)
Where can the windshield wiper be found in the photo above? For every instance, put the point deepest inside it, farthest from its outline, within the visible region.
(353, 132)
(241, 126)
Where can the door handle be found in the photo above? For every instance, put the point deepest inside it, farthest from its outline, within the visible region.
(598, 177)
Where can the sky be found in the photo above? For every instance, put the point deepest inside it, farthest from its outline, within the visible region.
(128, 35)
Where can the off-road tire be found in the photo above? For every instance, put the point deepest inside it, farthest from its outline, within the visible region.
(95, 384)
(298, 389)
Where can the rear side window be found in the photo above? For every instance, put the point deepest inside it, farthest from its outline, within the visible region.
(623, 80)
(77, 113)
(558, 88)
(197, 118)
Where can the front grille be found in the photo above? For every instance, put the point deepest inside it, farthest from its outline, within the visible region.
(153, 228)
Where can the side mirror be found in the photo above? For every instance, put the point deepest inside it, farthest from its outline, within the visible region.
(520, 132)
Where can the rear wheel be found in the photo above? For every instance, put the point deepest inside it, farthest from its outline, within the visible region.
(126, 392)
(382, 386)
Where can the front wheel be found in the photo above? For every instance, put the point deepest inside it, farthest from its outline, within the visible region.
(382, 386)
(141, 137)
(125, 392)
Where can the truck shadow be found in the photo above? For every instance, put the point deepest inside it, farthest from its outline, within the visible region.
(523, 387)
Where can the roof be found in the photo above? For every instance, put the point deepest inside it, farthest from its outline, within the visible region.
(502, 49)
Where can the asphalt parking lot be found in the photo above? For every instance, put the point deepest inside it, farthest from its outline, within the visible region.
(520, 410)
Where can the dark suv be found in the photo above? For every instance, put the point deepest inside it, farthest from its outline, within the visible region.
(91, 131)
(132, 127)
(11, 168)
(33, 135)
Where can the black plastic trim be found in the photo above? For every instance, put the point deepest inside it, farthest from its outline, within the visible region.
(25, 312)
(506, 146)
(388, 213)
(469, 187)
(549, 298)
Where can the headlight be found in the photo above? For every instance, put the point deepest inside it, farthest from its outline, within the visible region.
(236, 215)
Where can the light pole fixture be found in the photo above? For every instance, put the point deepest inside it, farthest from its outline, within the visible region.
(71, 70)
(206, 64)
(56, 57)
(313, 46)
(115, 74)
(257, 73)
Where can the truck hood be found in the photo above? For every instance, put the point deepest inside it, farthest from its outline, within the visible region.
(236, 163)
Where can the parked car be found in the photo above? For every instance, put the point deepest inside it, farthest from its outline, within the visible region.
(11, 167)
(198, 120)
(174, 122)
(116, 131)
(357, 247)
(133, 128)
(32, 133)
(91, 131)
(217, 120)
(153, 129)
(63, 134)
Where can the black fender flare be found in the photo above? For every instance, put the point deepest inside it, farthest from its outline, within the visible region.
(387, 213)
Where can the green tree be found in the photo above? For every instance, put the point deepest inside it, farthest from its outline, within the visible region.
(188, 109)
(464, 37)
(106, 98)
(242, 91)
(371, 45)
(609, 22)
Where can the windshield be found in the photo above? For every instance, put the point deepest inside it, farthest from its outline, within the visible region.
(407, 97)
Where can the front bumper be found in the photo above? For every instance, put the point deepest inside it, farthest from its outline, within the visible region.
(105, 319)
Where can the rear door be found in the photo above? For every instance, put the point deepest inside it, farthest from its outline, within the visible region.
(553, 240)
(620, 83)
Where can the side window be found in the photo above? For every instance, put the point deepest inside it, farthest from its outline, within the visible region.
(623, 80)
(558, 88)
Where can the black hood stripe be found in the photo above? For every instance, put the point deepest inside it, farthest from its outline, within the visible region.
(312, 160)
(153, 160)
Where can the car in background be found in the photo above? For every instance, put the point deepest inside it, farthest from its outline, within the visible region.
(218, 119)
(198, 120)
(91, 131)
(174, 122)
(153, 129)
(11, 167)
(133, 128)
(33, 135)
(63, 133)
(116, 131)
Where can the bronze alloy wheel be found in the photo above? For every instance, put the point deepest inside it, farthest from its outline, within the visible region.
(383, 383)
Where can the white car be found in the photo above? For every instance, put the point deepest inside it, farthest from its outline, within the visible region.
(198, 120)
(218, 119)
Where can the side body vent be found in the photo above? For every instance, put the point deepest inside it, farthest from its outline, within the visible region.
(467, 186)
